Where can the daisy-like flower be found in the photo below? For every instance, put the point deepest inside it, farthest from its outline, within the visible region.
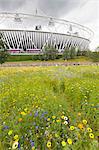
(65, 118)
(48, 144)
(48, 119)
(16, 137)
(79, 114)
(33, 148)
(91, 135)
(53, 117)
(72, 128)
(10, 132)
(65, 122)
(63, 143)
(69, 141)
(15, 145)
(84, 122)
(89, 129)
(58, 121)
(56, 135)
(80, 126)
(62, 117)
(23, 113)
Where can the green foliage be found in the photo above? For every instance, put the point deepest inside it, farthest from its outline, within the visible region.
(69, 53)
(73, 52)
(49, 53)
(93, 55)
(3, 51)
(66, 54)
(14, 58)
(3, 56)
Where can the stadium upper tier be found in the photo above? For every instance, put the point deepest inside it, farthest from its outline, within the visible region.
(32, 32)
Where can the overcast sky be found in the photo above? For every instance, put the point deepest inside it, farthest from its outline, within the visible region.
(85, 12)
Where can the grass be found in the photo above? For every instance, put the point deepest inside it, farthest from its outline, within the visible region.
(28, 59)
(49, 108)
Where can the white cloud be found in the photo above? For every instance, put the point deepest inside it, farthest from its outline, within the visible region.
(87, 14)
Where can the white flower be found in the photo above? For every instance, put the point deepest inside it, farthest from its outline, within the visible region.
(65, 118)
(65, 122)
(15, 145)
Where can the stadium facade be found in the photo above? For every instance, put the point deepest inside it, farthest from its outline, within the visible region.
(26, 33)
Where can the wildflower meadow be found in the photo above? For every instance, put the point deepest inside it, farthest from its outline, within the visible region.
(49, 108)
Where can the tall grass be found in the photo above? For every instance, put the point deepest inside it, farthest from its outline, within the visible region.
(49, 108)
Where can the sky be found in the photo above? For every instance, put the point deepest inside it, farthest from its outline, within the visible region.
(85, 12)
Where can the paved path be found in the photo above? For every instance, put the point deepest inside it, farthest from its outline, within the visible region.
(34, 64)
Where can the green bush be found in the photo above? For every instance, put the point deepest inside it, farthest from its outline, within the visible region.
(3, 50)
(93, 55)
(69, 53)
(49, 53)
(3, 56)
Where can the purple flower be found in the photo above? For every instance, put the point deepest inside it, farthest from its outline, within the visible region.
(37, 127)
(36, 114)
(32, 143)
(19, 145)
(30, 114)
(42, 116)
(5, 128)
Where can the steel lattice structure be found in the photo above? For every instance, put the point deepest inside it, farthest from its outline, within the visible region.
(30, 33)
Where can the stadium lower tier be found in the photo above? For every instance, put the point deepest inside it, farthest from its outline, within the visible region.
(20, 41)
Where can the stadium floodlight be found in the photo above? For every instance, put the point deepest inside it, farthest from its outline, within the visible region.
(17, 18)
(38, 27)
(51, 22)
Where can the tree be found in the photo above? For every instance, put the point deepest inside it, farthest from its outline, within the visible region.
(73, 53)
(66, 54)
(69, 53)
(49, 53)
(3, 50)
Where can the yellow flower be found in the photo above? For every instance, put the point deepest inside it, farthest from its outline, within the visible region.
(16, 137)
(25, 109)
(23, 113)
(15, 145)
(20, 119)
(63, 143)
(62, 117)
(10, 132)
(48, 144)
(89, 129)
(79, 114)
(53, 117)
(69, 141)
(72, 127)
(80, 126)
(56, 135)
(58, 121)
(91, 135)
(84, 122)
(48, 119)
(33, 148)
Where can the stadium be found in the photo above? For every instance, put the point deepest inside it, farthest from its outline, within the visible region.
(29, 34)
